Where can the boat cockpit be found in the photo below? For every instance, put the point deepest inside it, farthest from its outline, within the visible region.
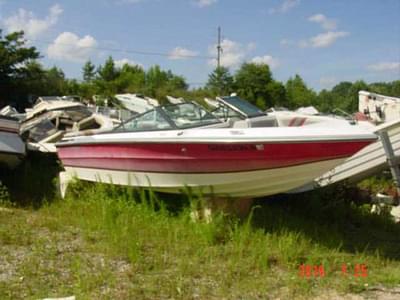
(173, 116)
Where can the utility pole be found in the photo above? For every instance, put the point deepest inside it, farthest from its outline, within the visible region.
(219, 48)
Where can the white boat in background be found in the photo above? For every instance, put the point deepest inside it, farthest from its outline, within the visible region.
(168, 149)
(12, 148)
(51, 103)
(375, 157)
(379, 108)
(137, 102)
(174, 100)
(52, 117)
(368, 161)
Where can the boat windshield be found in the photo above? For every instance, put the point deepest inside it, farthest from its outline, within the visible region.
(188, 115)
(224, 113)
(244, 106)
(176, 116)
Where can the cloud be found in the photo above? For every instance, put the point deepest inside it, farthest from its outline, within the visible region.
(273, 63)
(284, 7)
(323, 40)
(233, 53)
(204, 3)
(327, 24)
(181, 53)
(68, 46)
(119, 63)
(32, 26)
(385, 66)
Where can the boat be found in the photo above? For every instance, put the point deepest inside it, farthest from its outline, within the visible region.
(368, 161)
(244, 114)
(378, 108)
(173, 100)
(52, 117)
(12, 148)
(374, 158)
(169, 151)
(136, 102)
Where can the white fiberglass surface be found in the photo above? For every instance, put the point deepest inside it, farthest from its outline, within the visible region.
(271, 134)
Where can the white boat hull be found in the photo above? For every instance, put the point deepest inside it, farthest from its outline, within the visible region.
(235, 184)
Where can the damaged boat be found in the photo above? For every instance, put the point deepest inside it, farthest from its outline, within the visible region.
(52, 117)
(137, 103)
(12, 147)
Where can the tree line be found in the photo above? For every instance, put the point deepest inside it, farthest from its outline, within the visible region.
(23, 78)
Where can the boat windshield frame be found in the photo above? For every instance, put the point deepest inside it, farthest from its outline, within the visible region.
(164, 113)
(241, 106)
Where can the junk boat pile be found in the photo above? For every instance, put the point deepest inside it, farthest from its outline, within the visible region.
(172, 147)
(53, 117)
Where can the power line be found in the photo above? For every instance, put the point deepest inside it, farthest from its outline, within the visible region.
(149, 53)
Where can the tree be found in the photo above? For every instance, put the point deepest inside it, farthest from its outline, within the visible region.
(155, 78)
(220, 81)
(14, 57)
(131, 79)
(277, 94)
(108, 72)
(55, 83)
(175, 82)
(251, 82)
(325, 101)
(159, 83)
(352, 105)
(298, 94)
(89, 71)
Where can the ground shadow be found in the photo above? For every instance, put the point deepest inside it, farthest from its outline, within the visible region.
(34, 181)
(331, 218)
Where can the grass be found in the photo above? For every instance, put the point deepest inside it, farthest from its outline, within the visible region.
(105, 242)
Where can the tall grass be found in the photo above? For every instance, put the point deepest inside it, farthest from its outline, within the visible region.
(168, 255)
(260, 253)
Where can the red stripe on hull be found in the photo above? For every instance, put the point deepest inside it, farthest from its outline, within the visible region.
(203, 158)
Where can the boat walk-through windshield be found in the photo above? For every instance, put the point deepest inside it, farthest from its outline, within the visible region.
(243, 106)
(169, 117)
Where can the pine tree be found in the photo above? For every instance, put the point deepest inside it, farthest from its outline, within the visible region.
(220, 81)
(88, 71)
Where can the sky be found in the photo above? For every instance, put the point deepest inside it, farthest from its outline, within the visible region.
(325, 42)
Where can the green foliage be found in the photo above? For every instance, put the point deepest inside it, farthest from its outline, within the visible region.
(89, 71)
(4, 195)
(220, 81)
(131, 79)
(14, 67)
(343, 96)
(251, 82)
(14, 56)
(108, 72)
(298, 94)
(277, 93)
